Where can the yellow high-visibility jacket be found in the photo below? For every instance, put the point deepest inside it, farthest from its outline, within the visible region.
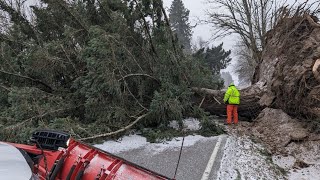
(232, 96)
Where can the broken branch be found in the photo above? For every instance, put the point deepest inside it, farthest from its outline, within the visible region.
(115, 132)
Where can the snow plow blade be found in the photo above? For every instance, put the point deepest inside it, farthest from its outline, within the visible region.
(56, 156)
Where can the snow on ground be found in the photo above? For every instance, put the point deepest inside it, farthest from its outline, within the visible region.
(126, 143)
(285, 162)
(306, 152)
(242, 159)
(131, 142)
(191, 124)
(309, 173)
(246, 160)
(295, 173)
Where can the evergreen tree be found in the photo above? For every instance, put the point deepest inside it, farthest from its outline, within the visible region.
(216, 57)
(179, 19)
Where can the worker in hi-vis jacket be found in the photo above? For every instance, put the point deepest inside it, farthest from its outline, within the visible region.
(232, 99)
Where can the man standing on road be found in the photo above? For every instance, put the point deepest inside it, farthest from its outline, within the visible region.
(232, 99)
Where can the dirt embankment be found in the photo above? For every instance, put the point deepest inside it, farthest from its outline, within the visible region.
(290, 75)
(290, 67)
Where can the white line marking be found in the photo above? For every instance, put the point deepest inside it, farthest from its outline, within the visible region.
(206, 173)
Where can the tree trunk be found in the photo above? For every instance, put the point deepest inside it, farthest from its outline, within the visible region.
(249, 107)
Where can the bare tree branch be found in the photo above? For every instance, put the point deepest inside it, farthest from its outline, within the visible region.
(146, 75)
(12, 127)
(115, 132)
(36, 81)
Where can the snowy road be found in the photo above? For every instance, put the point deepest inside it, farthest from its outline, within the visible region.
(200, 157)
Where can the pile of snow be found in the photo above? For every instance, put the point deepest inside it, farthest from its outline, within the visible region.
(132, 142)
(306, 152)
(126, 143)
(190, 124)
(244, 159)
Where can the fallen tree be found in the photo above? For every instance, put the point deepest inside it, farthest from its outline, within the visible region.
(78, 65)
(212, 101)
(287, 77)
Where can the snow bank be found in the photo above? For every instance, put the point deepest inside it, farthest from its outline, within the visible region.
(246, 160)
(126, 143)
(306, 152)
(191, 124)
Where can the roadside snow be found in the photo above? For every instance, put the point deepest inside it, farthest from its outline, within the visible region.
(306, 152)
(246, 160)
(131, 142)
(126, 143)
(309, 173)
(295, 173)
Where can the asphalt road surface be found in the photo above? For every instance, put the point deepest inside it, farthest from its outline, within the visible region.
(200, 161)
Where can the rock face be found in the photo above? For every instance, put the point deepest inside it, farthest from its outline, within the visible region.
(289, 68)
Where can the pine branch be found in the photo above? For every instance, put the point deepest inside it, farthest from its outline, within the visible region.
(17, 18)
(115, 132)
(5, 88)
(168, 24)
(12, 127)
(145, 75)
(47, 87)
(147, 30)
